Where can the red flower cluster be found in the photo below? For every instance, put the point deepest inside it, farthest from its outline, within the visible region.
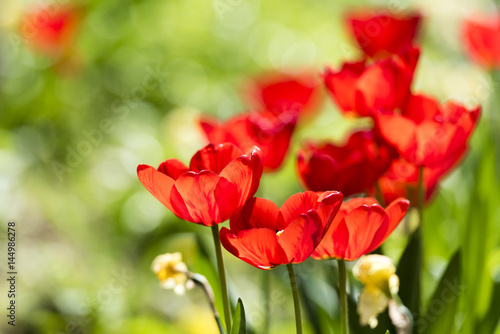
(410, 133)
(423, 133)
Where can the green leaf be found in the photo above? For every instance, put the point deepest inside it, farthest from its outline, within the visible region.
(492, 318)
(239, 322)
(440, 316)
(409, 272)
(479, 240)
(315, 313)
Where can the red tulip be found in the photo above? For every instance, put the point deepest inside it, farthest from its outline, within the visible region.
(401, 180)
(381, 86)
(481, 36)
(272, 134)
(281, 93)
(51, 30)
(352, 168)
(425, 132)
(265, 236)
(219, 179)
(379, 34)
(360, 226)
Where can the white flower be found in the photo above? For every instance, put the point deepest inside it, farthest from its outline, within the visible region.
(372, 301)
(378, 274)
(172, 272)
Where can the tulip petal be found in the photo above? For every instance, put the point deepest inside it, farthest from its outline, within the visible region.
(481, 35)
(244, 172)
(375, 89)
(226, 197)
(357, 202)
(341, 84)
(325, 248)
(173, 168)
(392, 32)
(258, 247)
(398, 131)
(434, 141)
(420, 108)
(209, 126)
(351, 168)
(385, 85)
(330, 203)
(158, 184)
(317, 171)
(214, 157)
(256, 213)
(396, 211)
(281, 93)
(301, 237)
(359, 231)
(272, 135)
(298, 204)
(203, 198)
(336, 238)
(462, 117)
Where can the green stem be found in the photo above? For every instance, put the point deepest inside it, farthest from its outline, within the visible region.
(343, 296)
(420, 194)
(417, 242)
(266, 284)
(295, 293)
(222, 277)
(379, 195)
(202, 282)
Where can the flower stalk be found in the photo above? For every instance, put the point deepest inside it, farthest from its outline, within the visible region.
(202, 282)
(266, 287)
(174, 274)
(343, 297)
(296, 302)
(420, 194)
(417, 238)
(379, 195)
(222, 277)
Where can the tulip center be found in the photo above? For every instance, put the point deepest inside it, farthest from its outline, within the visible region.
(278, 232)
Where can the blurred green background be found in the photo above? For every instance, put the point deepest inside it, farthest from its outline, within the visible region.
(138, 74)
